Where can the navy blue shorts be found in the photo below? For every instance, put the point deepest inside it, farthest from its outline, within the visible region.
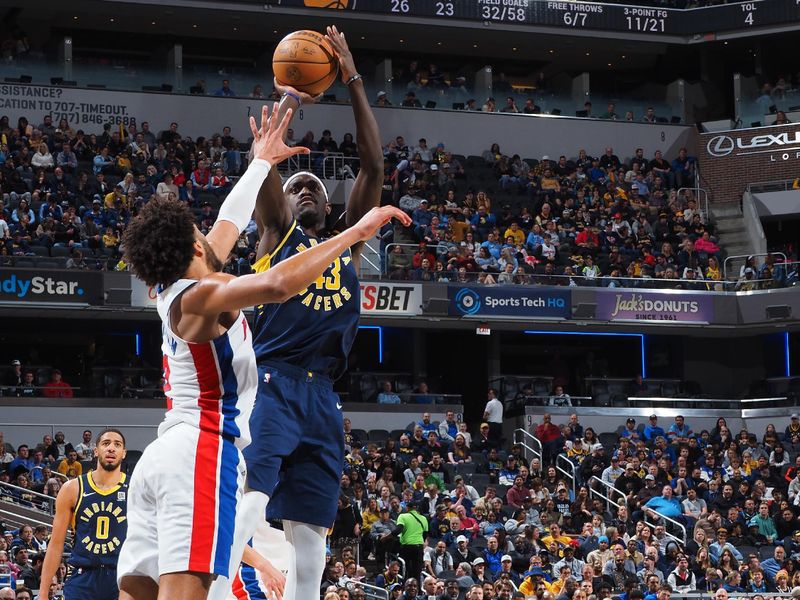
(94, 584)
(297, 452)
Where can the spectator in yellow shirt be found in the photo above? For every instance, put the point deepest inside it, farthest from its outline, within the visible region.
(70, 466)
(515, 232)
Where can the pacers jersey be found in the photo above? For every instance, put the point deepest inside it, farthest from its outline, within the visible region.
(315, 329)
(100, 523)
(210, 385)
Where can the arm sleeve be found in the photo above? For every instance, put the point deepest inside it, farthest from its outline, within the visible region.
(241, 202)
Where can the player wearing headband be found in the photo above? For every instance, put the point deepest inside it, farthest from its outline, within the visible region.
(302, 345)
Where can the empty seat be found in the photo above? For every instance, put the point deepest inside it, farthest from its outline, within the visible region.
(378, 435)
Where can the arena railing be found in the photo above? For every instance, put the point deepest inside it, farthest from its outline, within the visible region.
(370, 591)
(569, 470)
(698, 192)
(604, 281)
(776, 185)
(607, 494)
(525, 438)
(675, 525)
(543, 400)
(733, 257)
(41, 502)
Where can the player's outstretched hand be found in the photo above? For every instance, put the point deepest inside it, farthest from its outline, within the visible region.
(287, 89)
(268, 141)
(274, 580)
(346, 63)
(376, 218)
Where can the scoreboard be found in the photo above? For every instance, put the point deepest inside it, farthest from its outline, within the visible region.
(569, 14)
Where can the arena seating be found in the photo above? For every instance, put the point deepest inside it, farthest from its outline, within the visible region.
(587, 209)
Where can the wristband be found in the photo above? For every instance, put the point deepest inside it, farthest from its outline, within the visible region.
(355, 77)
(295, 96)
(241, 202)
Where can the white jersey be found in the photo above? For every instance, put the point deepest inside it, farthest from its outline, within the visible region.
(211, 385)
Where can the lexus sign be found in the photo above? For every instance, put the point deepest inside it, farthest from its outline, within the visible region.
(781, 143)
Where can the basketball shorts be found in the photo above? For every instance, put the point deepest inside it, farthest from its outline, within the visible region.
(97, 584)
(182, 504)
(297, 451)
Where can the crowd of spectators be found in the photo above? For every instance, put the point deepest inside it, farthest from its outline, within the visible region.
(580, 221)
(22, 382)
(508, 526)
(70, 193)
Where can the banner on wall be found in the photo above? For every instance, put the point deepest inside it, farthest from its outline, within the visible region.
(664, 307)
(377, 298)
(508, 301)
(89, 109)
(62, 286)
(391, 299)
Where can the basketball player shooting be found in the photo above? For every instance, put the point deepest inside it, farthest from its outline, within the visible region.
(188, 485)
(295, 461)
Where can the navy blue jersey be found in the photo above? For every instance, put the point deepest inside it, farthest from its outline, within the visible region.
(315, 329)
(100, 523)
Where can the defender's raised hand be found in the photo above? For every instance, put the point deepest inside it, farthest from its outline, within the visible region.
(376, 218)
(268, 141)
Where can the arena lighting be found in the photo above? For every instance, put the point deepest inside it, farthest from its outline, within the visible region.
(380, 339)
(138, 344)
(786, 352)
(639, 335)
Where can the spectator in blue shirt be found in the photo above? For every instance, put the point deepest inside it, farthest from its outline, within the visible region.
(652, 430)
(630, 430)
(102, 162)
(225, 90)
(483, 222)
(22, 463)
(492, 246)
(665, 504)
(421, 217)
(679, 432)
(427, 425)
(684, 168)
(387, 396)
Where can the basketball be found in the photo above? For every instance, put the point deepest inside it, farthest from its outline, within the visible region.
(305, 61)
(338, 4)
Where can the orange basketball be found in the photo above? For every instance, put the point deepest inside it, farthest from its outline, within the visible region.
(305, 61)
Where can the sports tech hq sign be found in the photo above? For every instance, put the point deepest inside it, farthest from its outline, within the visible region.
(730, 160)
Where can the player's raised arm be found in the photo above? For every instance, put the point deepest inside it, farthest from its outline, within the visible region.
(268, 149)
(366, 193)
(273, 215)
(65, 505)
(220, 293)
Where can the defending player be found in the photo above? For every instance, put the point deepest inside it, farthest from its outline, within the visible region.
(94, 506)
(302, 347)
(183, 505)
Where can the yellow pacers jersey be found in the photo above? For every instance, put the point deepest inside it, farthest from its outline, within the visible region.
(100, 523)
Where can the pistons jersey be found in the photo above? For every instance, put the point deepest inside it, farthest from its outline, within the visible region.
(100, 523)
(315, 329)
(210, 385)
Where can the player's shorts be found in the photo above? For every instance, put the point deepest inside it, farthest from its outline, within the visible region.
(182, 503)
(97, 584)
(297, 451)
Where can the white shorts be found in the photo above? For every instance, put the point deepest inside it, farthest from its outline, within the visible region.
(182, 503)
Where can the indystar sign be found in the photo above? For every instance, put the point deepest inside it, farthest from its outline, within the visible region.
(786, 145)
